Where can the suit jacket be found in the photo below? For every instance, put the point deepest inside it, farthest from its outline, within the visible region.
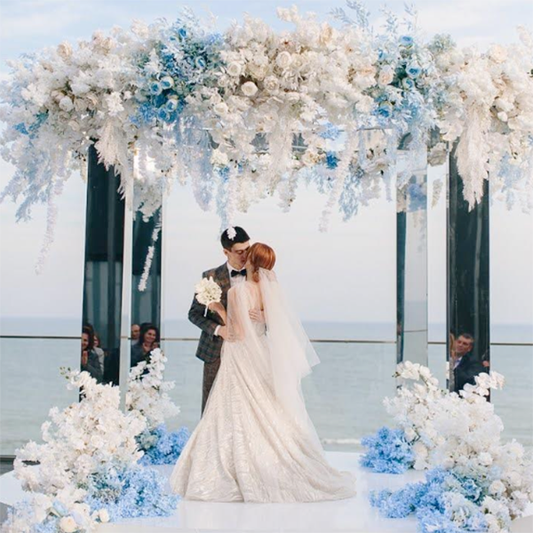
(210, 345)
(467, 369)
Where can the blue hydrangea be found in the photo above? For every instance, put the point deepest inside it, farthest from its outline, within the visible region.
(130, 493)
(430, 502)
(388, 451)
(167, 448)
(331, 160)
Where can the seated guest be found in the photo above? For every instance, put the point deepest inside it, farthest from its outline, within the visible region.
(135, 332)
(148, 341)
(465, 366)
(99, 352)
(89, 359)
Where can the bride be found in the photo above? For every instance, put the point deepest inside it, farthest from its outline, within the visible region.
(255, 441)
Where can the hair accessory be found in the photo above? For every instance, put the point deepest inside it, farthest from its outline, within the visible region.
(231, 233)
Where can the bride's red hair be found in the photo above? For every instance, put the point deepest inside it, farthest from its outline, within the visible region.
(261, 256)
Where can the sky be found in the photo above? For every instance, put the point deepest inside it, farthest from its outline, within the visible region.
(344, 275)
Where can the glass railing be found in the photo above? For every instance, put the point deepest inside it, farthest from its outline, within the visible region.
(344, 394)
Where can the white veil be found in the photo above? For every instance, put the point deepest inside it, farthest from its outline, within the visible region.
(291, 353)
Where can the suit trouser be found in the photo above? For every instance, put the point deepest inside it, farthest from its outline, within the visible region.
(210, 373)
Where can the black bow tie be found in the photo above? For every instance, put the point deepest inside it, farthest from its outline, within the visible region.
(238, 273)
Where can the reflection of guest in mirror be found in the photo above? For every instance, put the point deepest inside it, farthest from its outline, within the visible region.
(135, 332)
(465, 366)
(99, 352)
(89, 359)
(148, 341)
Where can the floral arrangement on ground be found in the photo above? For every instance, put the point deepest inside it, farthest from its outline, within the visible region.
(91, 466)
(474, 481)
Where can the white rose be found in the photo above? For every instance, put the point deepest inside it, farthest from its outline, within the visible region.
(410, 434)
(284, 59)
(234, 69)
(485, 459)
(503, 104)
(66, 103)
(498, 54)
(386, 75)
(271, 84)
(219, 159)
(221, 108)
(420, 450)
(249, 88)
(68, 524)
(502, 115)
(497, 487)
(103, 515)
(64, 50)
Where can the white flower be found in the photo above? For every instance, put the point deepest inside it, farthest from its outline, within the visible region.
(221, 108)
(68, 524)
(234, 69)
(498, 53)
(410, 434)
(65, 50)
(386, 75)
(249, 88)
(103, 515)
(271, 83)
(219, 158)
(420, 450)
(66, 104)
(497, 488)
(284, 59)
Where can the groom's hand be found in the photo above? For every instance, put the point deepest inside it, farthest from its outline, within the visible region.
(257, 315)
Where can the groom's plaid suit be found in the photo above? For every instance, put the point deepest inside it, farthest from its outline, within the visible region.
(210, 345)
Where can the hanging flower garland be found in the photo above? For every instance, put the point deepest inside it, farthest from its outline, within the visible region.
(262, 108)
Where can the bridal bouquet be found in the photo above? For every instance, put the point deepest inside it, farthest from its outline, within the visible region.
(207, 292)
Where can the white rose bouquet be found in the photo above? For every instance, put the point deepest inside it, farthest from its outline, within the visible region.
(207, 292)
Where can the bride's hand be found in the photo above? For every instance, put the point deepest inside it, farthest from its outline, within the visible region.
(257, 315)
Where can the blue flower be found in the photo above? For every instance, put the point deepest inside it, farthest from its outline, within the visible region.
(406, 40)
(182, 33)
(167, 448)
(155, 88)
(385, 110)
(163, 114)
(166, 83)
(431, 503)
(388, 451)
(200, 62)
(408, 83)
(413, 70)
(171, 105)
(331, 160)
(130, 493)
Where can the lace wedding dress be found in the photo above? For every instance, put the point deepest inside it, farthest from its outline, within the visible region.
(255, 441)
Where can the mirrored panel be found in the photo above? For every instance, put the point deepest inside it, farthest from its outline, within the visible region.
(411, 257)
(102, 287)
(468, 308)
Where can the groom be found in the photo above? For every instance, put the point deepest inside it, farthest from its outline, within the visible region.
(235, 244)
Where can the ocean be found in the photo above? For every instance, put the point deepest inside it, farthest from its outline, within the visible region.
(344, 394)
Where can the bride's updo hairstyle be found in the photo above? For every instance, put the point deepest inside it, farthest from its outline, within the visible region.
(261, 256)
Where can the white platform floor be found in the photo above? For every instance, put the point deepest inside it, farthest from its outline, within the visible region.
(353, 515)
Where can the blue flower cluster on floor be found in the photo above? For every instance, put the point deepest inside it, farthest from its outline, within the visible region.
(165, 446)
(444, 503)
(388, 452)
(130, 493)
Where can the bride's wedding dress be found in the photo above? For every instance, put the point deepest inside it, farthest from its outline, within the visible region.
(255, 441)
